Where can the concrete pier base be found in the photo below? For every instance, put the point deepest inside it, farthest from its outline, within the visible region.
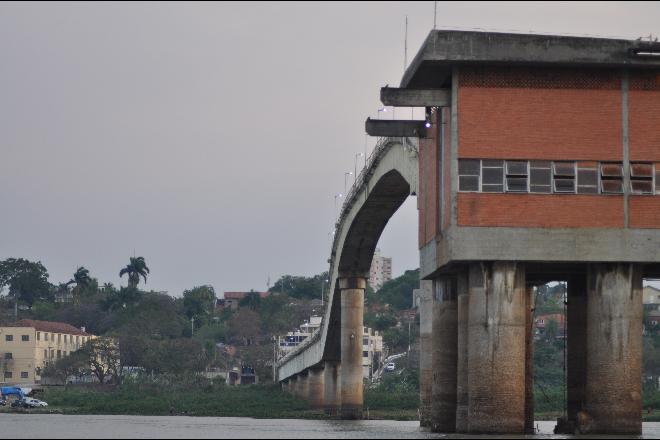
(445, 309)
(316, 388)
(576, 350)
(303, 386)
(529, 360)
(496, 348)
(425, 353)
(352, 316)
(332, 384)
(613, 391)
(462, 398)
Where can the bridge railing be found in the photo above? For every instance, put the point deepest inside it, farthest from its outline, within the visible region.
(381, 148)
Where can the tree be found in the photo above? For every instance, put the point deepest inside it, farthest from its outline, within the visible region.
(302, 287)
(102, 356)
(85, 285)
(135, 269)
(27, 280)
(199, 303)
(73, 365)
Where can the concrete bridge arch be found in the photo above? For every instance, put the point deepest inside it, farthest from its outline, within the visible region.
(330, 362)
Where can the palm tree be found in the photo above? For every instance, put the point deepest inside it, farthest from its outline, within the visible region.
(82, 280)
(135, 269)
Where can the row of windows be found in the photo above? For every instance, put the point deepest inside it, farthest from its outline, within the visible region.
(559, 177)
(68, 339)
(10, 375)
(24, 338)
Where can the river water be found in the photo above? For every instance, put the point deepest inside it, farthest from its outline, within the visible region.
(13, 426)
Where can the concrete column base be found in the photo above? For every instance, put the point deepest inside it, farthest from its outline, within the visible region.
(352, 331)
(425, 353)
(331, 379)
(462, 398)
(316, 388)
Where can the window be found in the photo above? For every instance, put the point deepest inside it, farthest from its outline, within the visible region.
(563, 174)
(8, 375)
(45, 354)
(517, 172)
(45, 336)
(9, 338)
(611, 178)
(492, 176)
(38, 336)
(9, 356)
(468, 175)
(59, 354)
(25, 338)
(365, 354)
(24, 375)
(587, 178)
(540, 177)
(657, 178)
(641, 178)
(59, 339)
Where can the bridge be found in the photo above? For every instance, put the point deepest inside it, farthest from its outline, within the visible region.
(538, 161)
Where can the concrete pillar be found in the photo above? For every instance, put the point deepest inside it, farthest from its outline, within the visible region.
(462, 399)
(303, 386)
(529, 360)
(613, 392)
(445, 340)
(332, 394)
(496, 348)
(425, 306)
(316, 388)
(576, 348)
(352, 317)
(295, 387)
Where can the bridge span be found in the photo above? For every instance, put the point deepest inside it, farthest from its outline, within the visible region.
(538, 161)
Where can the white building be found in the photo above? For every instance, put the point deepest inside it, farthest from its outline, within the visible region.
(381, 270)
(287, 343)
(372, 352)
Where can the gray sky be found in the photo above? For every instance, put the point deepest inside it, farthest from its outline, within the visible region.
(211, 138)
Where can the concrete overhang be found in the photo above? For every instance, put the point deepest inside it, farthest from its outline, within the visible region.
(395, 128)
(397, 97)
(443, 50)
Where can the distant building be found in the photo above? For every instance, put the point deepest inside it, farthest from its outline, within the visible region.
(542, 322)
(651, 297)
(245, 375)
(64, 296)
(372, 352)
(294, 338)
(232, 299)
(28, 346)
(381, 270)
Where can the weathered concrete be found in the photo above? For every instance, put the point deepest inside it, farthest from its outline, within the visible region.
(425, 352)
(352, 330)
(496, 348)
(529, 360)
(613, 392)
(444, 49)
(332, 385)
(576, 347)
(415, 97)
(445, 308)
(295, 385)
(316, 388)
(462, 396)
(303, 385)
(395, 128)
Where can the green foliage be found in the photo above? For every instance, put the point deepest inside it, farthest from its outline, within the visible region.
(398, 292)
(199, 303)
(26, 280)
(135, 269)
(302, 287)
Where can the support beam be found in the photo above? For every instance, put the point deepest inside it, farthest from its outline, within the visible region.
(529, 360)
(316, 388)
(496, 348)
(576, 348)
(352, 317)
(462, 399)
(445, 339)
(613, 392)
(395, 128)
(332, 384)
(415, 97)
(425, 352)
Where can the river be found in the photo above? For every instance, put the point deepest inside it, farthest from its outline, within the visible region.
(59, 426)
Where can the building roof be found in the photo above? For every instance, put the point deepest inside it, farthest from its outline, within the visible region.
(50, 327)
(444, 49)
(241, 295)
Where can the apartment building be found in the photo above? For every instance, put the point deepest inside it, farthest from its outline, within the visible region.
(28, 346)
(381, 270)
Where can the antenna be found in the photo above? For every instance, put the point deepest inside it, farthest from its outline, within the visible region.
(435, 14)
(405, 48)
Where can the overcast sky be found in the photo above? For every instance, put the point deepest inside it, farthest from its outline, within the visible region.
(212, 138)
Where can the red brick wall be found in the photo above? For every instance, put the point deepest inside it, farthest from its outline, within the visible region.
(644, 212)
(447, 214)
(539, 114)
(644, 117)
(540, 211)
(428, 197)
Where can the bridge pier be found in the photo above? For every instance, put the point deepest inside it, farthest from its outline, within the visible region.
(443, 405)
(303, 386)
(462, 396)
(332, 393)
(576, 347)
(316, 388)
(613, 391)
(352, 319)
(426, 352)
(496, 348)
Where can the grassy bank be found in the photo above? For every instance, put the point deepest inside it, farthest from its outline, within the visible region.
(211, 400)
